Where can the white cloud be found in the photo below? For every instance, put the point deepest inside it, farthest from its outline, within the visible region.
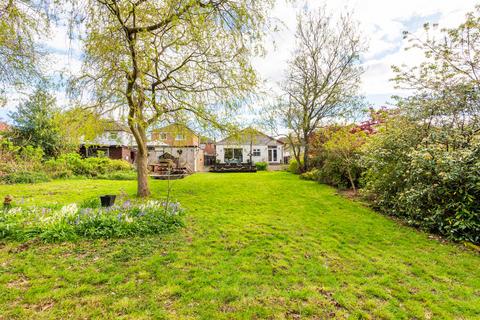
(381, 21)
(63, 60)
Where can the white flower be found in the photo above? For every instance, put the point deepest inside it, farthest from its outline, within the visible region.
(14, 211)
(69, 210)
(66, 212)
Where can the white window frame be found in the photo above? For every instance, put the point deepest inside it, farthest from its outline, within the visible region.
(273, 154)
(257, 152)
(179, 137)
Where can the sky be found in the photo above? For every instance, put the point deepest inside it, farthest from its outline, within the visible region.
(381, 21)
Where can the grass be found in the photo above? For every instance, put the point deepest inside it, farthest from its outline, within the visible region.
(256, 246)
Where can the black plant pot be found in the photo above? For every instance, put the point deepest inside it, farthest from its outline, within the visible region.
(107, 200)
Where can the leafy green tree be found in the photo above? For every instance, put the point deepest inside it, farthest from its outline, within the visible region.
(344, 144)
(154, 59)
(446, 83)
(34, 123)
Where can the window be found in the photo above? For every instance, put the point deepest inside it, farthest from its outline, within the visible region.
(159, 136)
(256, 152)
(113, 135)
(233, 155)
(179, 137)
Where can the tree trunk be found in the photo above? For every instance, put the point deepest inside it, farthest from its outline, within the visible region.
(296, 149)
(305, 158)
(299, 161)
(351, 181)
(143, 190)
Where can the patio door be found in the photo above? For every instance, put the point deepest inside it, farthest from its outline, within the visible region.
(272, 154)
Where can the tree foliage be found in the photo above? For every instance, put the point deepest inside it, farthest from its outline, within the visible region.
(77, 125)
(446, 83)
(423, 166)
(34, 123)
(334, 155)
(21, 21)
(162, 58)
(343, 147)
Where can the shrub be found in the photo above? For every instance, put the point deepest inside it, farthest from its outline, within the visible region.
(72, 164)
(24, 177)
(26, 165)
(293, 166)
(119, 165)
(57, 169)
(426, 184)
(15, 159)
(93, 167)
(335, 151)
(261, 166)
(72, 222)
(63, 174)
(334, 173)
(311, 175)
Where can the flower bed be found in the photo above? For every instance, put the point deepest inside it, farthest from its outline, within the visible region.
(72, 222)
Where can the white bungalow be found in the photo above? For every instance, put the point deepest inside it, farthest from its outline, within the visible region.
(250, 145)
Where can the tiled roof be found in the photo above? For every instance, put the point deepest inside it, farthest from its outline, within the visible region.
(248, 135)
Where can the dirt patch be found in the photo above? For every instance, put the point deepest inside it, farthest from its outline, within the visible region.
(20, 283)
(349, 194)
(329, 296)
(43, 306)
(294, 315)
(24, 246)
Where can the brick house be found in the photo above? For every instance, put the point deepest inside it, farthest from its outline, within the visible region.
(175, 141)
(116, 142)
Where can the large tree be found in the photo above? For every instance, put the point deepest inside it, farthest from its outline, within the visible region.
(40, 123)
(322, 77)
(446, 85)
(158, 57)
(34, 123)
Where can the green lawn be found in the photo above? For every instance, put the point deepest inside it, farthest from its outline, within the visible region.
(256, 246)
